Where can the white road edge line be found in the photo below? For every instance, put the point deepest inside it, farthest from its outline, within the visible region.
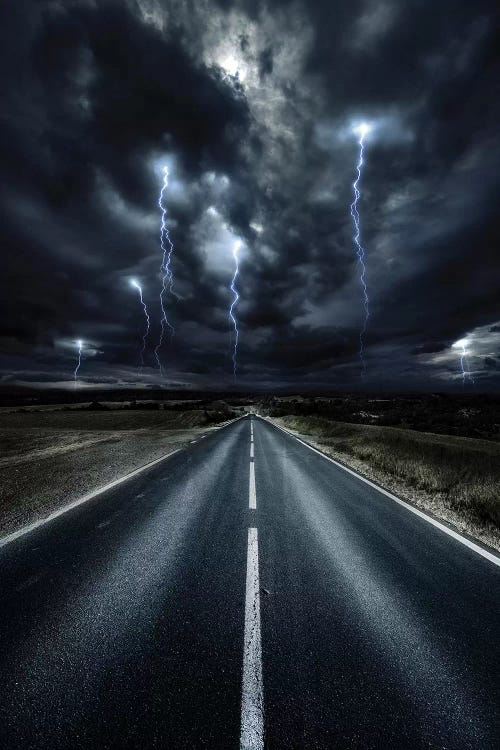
(252, 697)
(252, 496)
(433, 521)
(89, 496)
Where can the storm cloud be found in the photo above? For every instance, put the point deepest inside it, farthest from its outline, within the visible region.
(251, 105)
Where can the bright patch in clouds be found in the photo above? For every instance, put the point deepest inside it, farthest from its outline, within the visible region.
(481, 346)
(233, 65)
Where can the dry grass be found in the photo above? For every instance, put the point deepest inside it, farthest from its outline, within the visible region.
(48, 459)
(115, 419)
(463, 473)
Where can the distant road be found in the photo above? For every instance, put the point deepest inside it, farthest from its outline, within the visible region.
(247, 592)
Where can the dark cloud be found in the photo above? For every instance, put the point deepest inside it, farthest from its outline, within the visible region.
(266, 62)
(252, 105)
(431, 348)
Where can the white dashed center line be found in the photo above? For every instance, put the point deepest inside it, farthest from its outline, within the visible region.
(252, 699)
(252, 498)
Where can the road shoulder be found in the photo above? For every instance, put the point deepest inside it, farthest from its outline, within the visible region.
(485, 536)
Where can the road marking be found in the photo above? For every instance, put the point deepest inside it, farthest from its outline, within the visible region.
(252, 497)
(251, 450)
(103, 524)
(90, 495)
(433, 521)
(252, 698)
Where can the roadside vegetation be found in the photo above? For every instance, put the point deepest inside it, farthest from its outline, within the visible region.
(475, 415)
(49, 458)
(456, 474)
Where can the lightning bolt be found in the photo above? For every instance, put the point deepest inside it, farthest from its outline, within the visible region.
(137, 286)
(167, 278)
(234, 302)
(362, 131)
(466, 373)
(79, 344)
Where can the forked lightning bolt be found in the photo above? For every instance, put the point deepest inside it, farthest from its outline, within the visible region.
(137, 286)
(466, 373)
(167, 278)
(362, 131)
(234, 302)
(79, 344)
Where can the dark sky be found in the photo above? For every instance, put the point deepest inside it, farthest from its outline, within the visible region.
(252, 106)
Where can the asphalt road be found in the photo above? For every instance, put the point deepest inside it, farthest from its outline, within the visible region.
(247, 593)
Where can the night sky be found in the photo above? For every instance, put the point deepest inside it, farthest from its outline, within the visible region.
(253, 107)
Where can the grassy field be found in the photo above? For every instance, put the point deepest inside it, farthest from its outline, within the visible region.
(459, 477)
(465, 415)
(50, 458)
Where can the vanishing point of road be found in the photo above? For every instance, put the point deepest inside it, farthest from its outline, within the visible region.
(248, 593)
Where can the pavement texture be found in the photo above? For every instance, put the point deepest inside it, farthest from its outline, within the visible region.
(123, 620)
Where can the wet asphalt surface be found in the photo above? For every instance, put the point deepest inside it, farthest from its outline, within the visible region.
(121, 622)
